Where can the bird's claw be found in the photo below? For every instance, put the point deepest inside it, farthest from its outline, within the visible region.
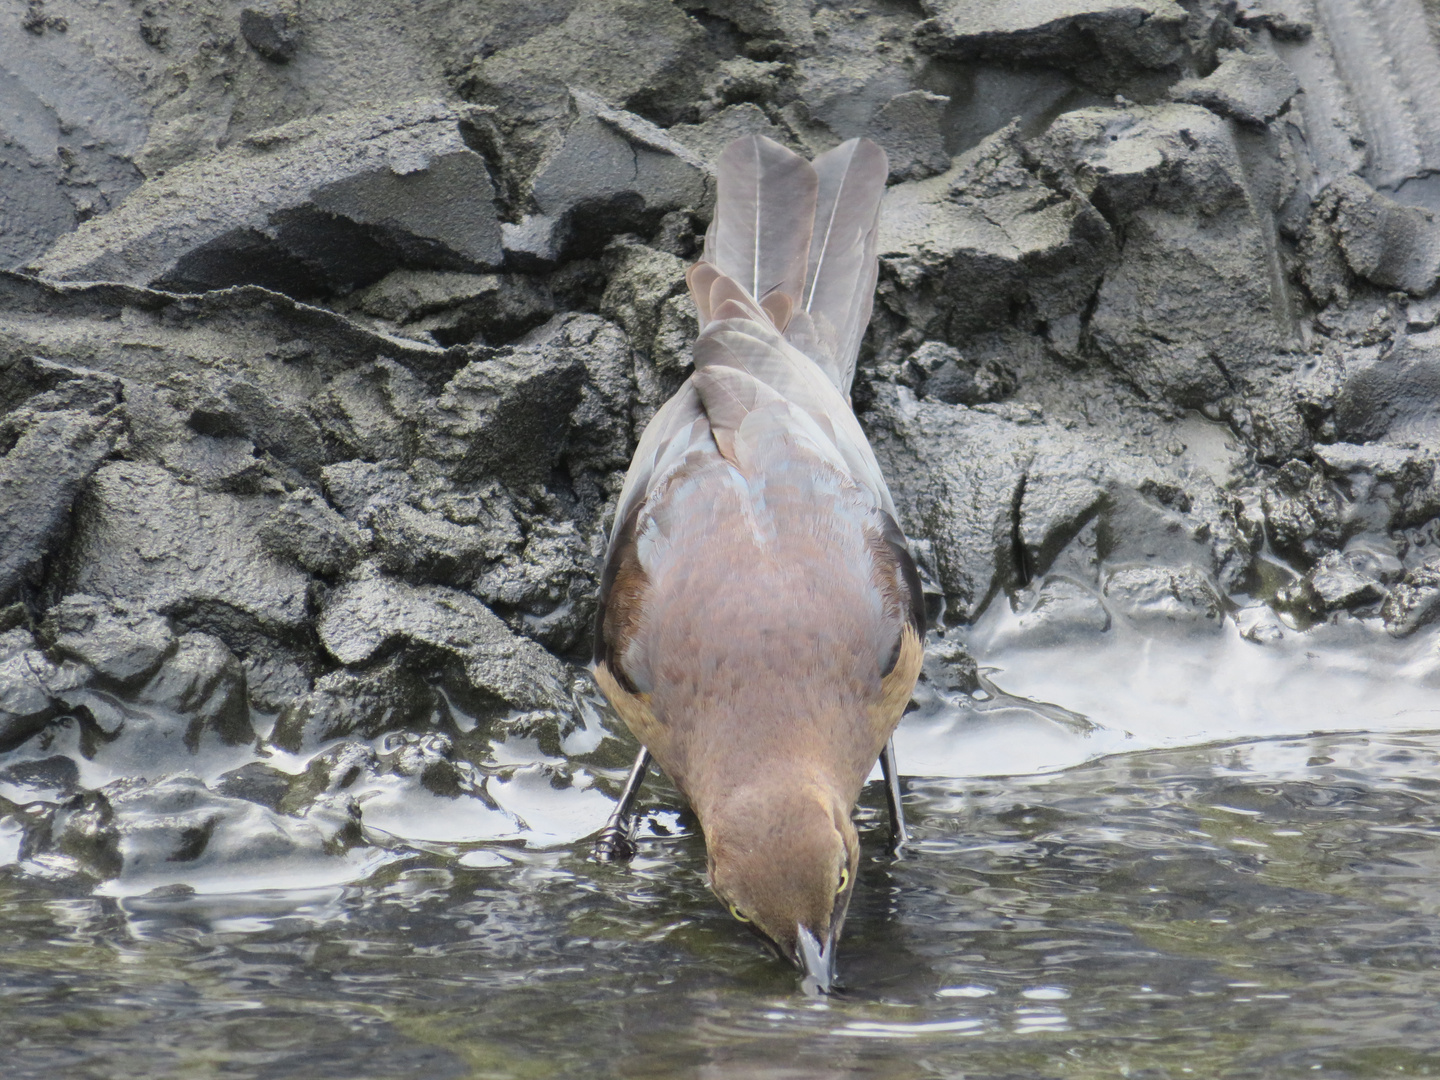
(899, 841)
(614, 844)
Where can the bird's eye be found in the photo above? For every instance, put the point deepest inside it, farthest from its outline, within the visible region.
(844, 880)
(739, 914)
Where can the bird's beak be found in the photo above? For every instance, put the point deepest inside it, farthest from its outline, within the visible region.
(817, 961)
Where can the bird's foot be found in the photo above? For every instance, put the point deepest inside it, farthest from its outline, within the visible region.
(899, 841)
(614, 844)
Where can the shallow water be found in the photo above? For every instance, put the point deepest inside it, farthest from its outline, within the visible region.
(1255, 909)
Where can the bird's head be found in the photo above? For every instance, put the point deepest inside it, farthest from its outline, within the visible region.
(783, 858)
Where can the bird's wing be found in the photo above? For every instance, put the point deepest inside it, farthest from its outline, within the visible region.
(678, 438)
(678, 429)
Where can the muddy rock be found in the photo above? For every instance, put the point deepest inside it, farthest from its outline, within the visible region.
(255, 782)
(363, 619)
(364, 704)
(422, 546)
(948, 667)
(942, 372)
(1259, 624)
(1341, 581)
(1250, 87)
(1415, 601)
(1097, 38)
(1065, 487)
(50, 779)
(908, 129)
(404, 295)
(271, 31)
(30, 687)
(455, 309)
(1189, 524)
(1383, 241)
(231, 389)
(642, 279)
(308, 208)
(612, 172)
(421, 526)
(82, 835)
(1393, 396)
(332, 772)
(430, 758)
(203, 681)
(784, 20)
(1303, 513)
(121, 642)
(1003, 495)
(305, 529)
(548, 582)
(664, 50)
(601, 435)
(959, 251)
(373, 410)
(71, 132)
(1061, 611)
(40, 477)
(142, 536)
(1151, 593)
(957, 476)
(647, 297)
(1189, 311)
(840, 90)
(1385, 486)
(508, 415)
(708, 138)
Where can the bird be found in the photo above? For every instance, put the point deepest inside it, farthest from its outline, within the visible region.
(760, 619)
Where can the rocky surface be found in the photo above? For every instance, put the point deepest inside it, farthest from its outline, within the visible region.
(327, 330)
(311, 207)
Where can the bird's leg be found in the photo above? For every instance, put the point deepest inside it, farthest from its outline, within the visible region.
(899, 835)
(614, 844)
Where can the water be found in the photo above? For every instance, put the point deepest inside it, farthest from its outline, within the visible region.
(1265, 909)
(1153, 851)
(1255, 909)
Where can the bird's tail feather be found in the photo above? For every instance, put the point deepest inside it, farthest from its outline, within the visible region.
(841, 272)
(760, 235)
(797, 241)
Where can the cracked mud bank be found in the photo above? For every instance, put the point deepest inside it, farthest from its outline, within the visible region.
(328, 330)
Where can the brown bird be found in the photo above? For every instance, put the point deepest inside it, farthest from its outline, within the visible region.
(760, 617)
